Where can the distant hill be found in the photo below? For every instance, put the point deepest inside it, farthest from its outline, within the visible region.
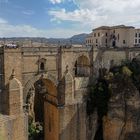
(76, 39)
(79, 39)
(58, 40)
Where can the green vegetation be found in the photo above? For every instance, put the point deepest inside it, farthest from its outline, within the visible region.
(35, 130)
(99, 97)
(134, 66)
(101, 91)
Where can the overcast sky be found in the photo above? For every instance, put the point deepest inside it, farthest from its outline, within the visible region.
(64, 18)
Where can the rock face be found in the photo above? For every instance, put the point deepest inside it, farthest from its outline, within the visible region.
(123, 119)
(92, 125)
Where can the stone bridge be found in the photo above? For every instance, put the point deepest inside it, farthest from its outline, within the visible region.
(52, 84)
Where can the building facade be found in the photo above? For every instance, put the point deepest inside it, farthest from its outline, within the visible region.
(114, 36)
(137, 38)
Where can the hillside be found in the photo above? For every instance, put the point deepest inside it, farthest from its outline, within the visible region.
(76, 39)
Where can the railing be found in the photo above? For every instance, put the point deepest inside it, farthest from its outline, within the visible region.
(39, 49)
(54, 49)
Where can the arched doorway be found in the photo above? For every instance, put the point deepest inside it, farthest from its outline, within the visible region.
(40, 90)
(43, 87)
(36, 108)
(82, 67)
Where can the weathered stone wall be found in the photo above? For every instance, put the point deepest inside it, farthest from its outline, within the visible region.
(69, 121)
(113, 56)
(31, 67)
(122, 121)
(13, 127)
(70, 56)
(12, 60)
(1, 77)
(51, 122)
(73, 122)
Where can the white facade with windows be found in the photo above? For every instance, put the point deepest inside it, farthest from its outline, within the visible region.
(115, 36)
(137, 38)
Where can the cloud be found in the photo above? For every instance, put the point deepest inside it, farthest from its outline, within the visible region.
(56, 1)
(8, 30)
(107, 5)
(76, 15)
(2, 21)
(101, 12)
(28, 12)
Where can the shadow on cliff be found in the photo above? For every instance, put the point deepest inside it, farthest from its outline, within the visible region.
(98, 101)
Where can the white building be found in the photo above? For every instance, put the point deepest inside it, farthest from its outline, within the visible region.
(137, 38)
(114, 36)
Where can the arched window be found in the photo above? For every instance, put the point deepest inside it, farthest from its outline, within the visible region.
(42, 66)
(82, 67)
(75, 68)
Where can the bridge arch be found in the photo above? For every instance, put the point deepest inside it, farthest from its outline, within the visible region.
(82, 66)
(30, 83)
(39, 110)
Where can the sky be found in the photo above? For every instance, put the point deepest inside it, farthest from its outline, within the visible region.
(64, 18)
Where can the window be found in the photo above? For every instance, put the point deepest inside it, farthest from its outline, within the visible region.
(139, 41)
(114, 43)
(98, 34)
(139, 34)
(114, 31)
(42, 66)
(96, 40)
(106, 34)
(124, 42)
(106, 41)
(76, 68)
(136, 35)
(94, 34)
(118, 36)
(135, 41)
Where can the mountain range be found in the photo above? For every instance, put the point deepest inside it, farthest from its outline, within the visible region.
(76, 39)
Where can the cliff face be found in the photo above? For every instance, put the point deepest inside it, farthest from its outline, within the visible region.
(116, 99)
(92, 126)
(123, 118)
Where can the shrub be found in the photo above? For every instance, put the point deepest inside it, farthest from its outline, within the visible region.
(126, 71)
(35, 128)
